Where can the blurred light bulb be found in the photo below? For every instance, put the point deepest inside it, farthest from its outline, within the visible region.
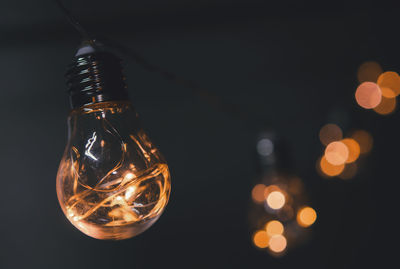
(112, 182)
(354, 149)
(368, 95)
(277, 243)
(265, 147)
(260, 239)
(306, 216)
(274, 227)
(330, 133)
(336, 153)
(276, 200)
(329, 169)
(390, 80)
(258, 193)
(369, 71)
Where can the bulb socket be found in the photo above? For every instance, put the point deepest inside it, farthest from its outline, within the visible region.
(95, 77)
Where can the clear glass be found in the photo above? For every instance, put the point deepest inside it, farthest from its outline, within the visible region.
(112, 182)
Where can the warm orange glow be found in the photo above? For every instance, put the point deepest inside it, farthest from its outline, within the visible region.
(388, 92)
(112, 182)
(129, 176)
(276, 200)
(354, 149)
(330, 133)
(277, 243)
(274, 227)
(349, 171)
(330, 169)
(258, 193)
(261, 239)
(306, 216)
(386, 106)
(336, 153)
(390, 80)
(270, 189)
(368, 95)
(369, 71)
(364, 139)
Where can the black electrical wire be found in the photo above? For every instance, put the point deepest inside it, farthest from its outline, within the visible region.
(248, 118)
(74, 22)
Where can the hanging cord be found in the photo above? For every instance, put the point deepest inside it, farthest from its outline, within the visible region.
(74, 22)
(247, 117)
(235, 111)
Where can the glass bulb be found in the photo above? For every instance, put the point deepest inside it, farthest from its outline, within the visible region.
(112, 182)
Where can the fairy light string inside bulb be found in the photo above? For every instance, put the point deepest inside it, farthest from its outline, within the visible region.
(112, 182)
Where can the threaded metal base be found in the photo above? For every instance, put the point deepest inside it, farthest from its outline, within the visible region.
(95, 77)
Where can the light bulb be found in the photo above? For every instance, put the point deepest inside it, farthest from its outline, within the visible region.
(112, 182)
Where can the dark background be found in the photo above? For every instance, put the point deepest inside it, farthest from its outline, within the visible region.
(292, 63)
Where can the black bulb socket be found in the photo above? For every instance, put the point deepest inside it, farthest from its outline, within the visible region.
(95, 77)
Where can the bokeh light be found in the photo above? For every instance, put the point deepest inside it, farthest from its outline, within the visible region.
(258, 193)
(386, 106)
(388, 92)
(274, 227)
(368, 95)
(349, 171)
(330, 133)
(270, 189)
(329, 169)
(354, 149)
(265, 147)
(261, 239)
(277, 243)
(276, 200)
(390, 80)
(336, 153)
(364, 139)
(369, 71)
(306, 216)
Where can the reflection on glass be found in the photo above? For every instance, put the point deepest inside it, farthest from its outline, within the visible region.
(112, 182)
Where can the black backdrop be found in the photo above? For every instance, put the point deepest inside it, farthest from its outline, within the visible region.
(294, 63)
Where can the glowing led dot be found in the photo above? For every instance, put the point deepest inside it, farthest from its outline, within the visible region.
(368, 95)
(260, 239)
(130, 191)
(258, 193)
(274, 227)
(330, 133)
(390, 80)
(306, 216)
(69, 212)
(265, 147)
(129, 176)
(369, 71)
(277, 243)
(276, 200)
(386, 106)
(329, 169)
(364, 139)
(336, 153)
(354, 149)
